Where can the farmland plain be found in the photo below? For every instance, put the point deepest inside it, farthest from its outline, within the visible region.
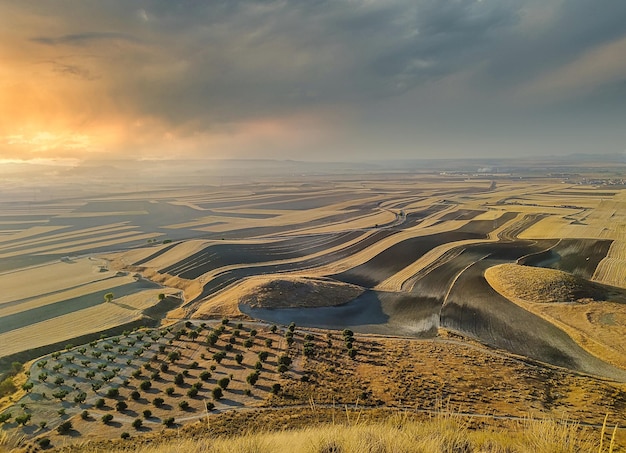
(451, 285)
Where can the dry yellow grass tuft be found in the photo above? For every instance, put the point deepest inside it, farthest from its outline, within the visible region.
(399, 433)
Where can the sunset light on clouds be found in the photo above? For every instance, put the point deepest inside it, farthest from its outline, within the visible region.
(311, 80)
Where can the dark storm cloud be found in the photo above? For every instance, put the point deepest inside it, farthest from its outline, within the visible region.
(576, 27)
(403, 70)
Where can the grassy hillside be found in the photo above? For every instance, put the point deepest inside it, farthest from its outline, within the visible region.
(399, 432)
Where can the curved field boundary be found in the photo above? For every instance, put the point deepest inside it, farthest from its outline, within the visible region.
(155, 254)
(405, 279)
(475, 308)
(62, 328)
(604, 349)
(54, 310)
(222, 255)
(612, 269)
(577, 256)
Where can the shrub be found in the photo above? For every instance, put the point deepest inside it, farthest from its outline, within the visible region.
(59, 381)
(248, 343)
(263, 355)
(194, 365)
(125, 435)
(253, 333)
(169, 422)
(225, 321)
(184, 405)
(169, 391)
(137, 423)
(164, 367)
(252, 378)
(106, 418)
(219, 356)
(147, 413)
(239, 358)
(210, 406)
(192, 392)
(352, 353)
(179, 379)
(273, 329)
(275, 388)
(121, 406)
(22, 419)
(268, 342)
(292, 327)
(145, 385)
(80, 398)
(44, 443)
(99, 404)
(113, 392)
(158, 402)
(223, 383)
(217, 393)
(5, 417)
(205, 375)
(284, 360)
(228, 347)
(84, 415)
(282, 368)
(64, 427)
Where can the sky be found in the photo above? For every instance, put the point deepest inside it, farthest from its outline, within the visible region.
(311, 79)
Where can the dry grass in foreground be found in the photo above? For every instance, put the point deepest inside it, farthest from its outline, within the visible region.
(398, 433)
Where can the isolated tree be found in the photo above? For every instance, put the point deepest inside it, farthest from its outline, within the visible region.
(106, 418)
(99, 404)
(137, 423)
(147, 413)
(205, 375)
(275, 388)
(158, 402)
(239, 358)
(263, 355)
(184, 405)
(108, 297)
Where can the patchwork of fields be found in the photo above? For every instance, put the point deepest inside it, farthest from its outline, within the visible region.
(406, 258)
